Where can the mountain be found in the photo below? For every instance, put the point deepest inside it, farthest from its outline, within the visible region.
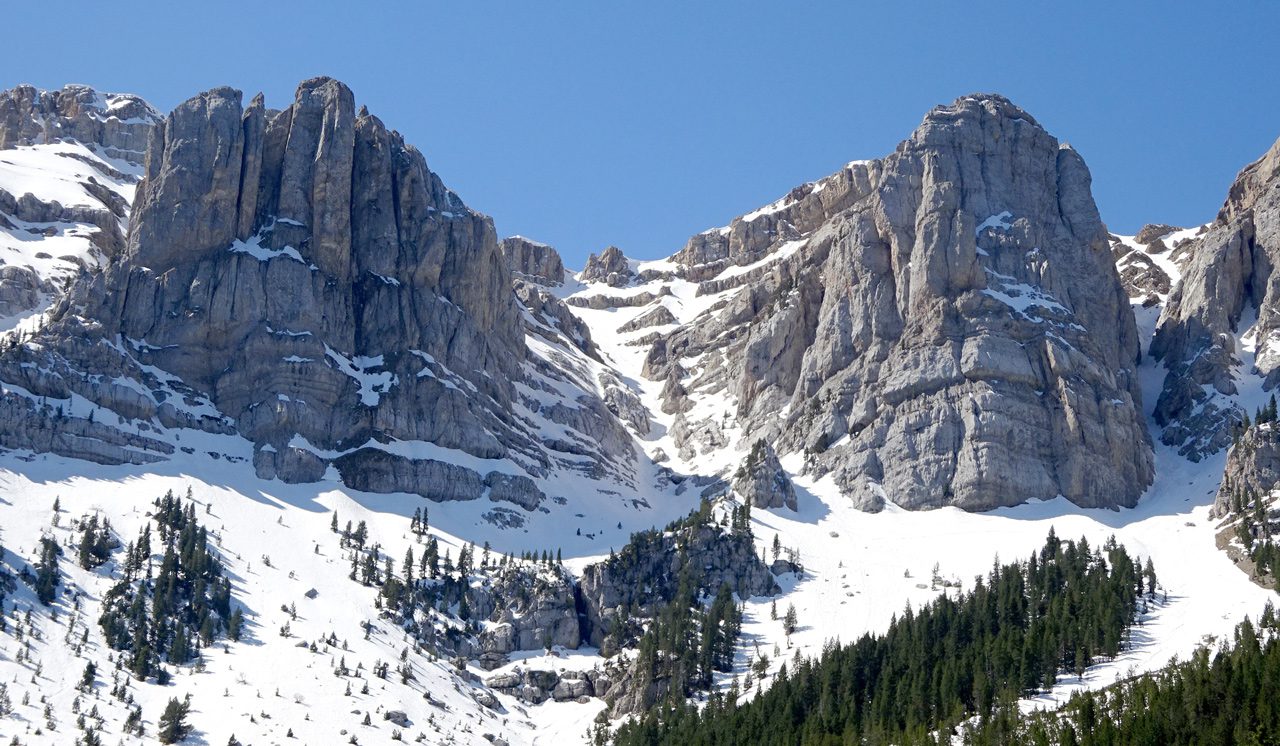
(301, 279)
(287, 434)
(944, 326)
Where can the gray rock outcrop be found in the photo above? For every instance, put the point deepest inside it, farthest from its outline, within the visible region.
(536, 261)
(534, 686)
(659, 316)
(762, 480)
(610, 267)
(1229, 288)
(1252, 470)
(644, 575)
(1152, 232)
(944, 326)
(118, 123)
(305, 276)
(1143, 278)
(529, 610)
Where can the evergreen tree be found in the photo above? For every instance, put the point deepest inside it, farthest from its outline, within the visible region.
(173, 726)
(235, 624)
(88, 677)
(46, 582)
(789, 622)
(95, 543)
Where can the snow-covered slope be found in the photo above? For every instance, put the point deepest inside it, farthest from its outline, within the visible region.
(69, 211)
(279, 552)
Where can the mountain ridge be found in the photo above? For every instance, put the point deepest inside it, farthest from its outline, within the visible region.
(973, 335)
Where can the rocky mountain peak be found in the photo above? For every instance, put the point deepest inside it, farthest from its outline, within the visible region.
(609, 266)
(969, 110)
(1223, 315)
(956, 301)
(303, 280)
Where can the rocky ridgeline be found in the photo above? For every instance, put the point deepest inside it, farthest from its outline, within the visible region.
(114, 129)
(944, 326)
(1146, 281)
(118, 124)
(1229, 281)
(302, 279)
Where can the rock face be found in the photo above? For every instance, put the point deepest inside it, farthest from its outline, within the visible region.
(1246, 507)
(1228, 295)
(944, 326)
(533, 260)
(644, 575)
(1252, 470)
(69, 161)
(1142, 277)
(610, 267)
(534, 686)
(1152, 232)
(120, 124)
(301, 278)
(528, 611)
(762, 480)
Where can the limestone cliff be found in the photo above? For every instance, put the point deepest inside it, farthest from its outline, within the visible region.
(944, 326)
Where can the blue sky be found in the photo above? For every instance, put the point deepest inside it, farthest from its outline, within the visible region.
(589, 123)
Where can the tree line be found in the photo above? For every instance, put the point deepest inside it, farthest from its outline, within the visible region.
(1227, 696)
(1013, 634)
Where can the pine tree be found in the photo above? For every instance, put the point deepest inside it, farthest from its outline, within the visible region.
(789, 622)
(88, 677)
(235, 624)
(173, 722)
(432, 557)
(179, 648)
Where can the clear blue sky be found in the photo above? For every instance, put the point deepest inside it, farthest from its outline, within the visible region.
(640, 123)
